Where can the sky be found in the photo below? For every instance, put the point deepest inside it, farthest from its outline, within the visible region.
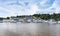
(28, 7)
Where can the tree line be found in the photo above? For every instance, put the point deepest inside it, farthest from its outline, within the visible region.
(48, 16)
(41, 16)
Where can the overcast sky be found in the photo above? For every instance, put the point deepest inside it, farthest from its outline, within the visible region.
(28, 7)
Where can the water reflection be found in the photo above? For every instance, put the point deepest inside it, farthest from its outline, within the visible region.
(29, 29)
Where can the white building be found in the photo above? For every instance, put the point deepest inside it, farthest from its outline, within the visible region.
(8, 20)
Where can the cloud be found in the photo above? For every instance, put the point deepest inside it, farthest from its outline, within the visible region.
(54, 8)
(5, 12)
(28, 7)
(45, 4)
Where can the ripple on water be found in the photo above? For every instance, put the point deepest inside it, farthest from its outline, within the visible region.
(29, 29)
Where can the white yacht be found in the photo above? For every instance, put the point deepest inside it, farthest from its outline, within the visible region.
(58, 22)
(52, 21)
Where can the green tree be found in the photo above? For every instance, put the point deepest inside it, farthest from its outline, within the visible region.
(8, 18)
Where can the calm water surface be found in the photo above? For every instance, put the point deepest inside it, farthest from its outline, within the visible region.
(29, 29)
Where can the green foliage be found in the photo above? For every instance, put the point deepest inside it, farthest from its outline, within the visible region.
(8, 18)
(23, 16)
(1, 18)
(41, 16)
(48, 16)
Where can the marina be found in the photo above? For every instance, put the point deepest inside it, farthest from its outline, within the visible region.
(29, 17)
(29, 20)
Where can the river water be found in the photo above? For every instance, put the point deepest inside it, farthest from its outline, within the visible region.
(29, 29)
